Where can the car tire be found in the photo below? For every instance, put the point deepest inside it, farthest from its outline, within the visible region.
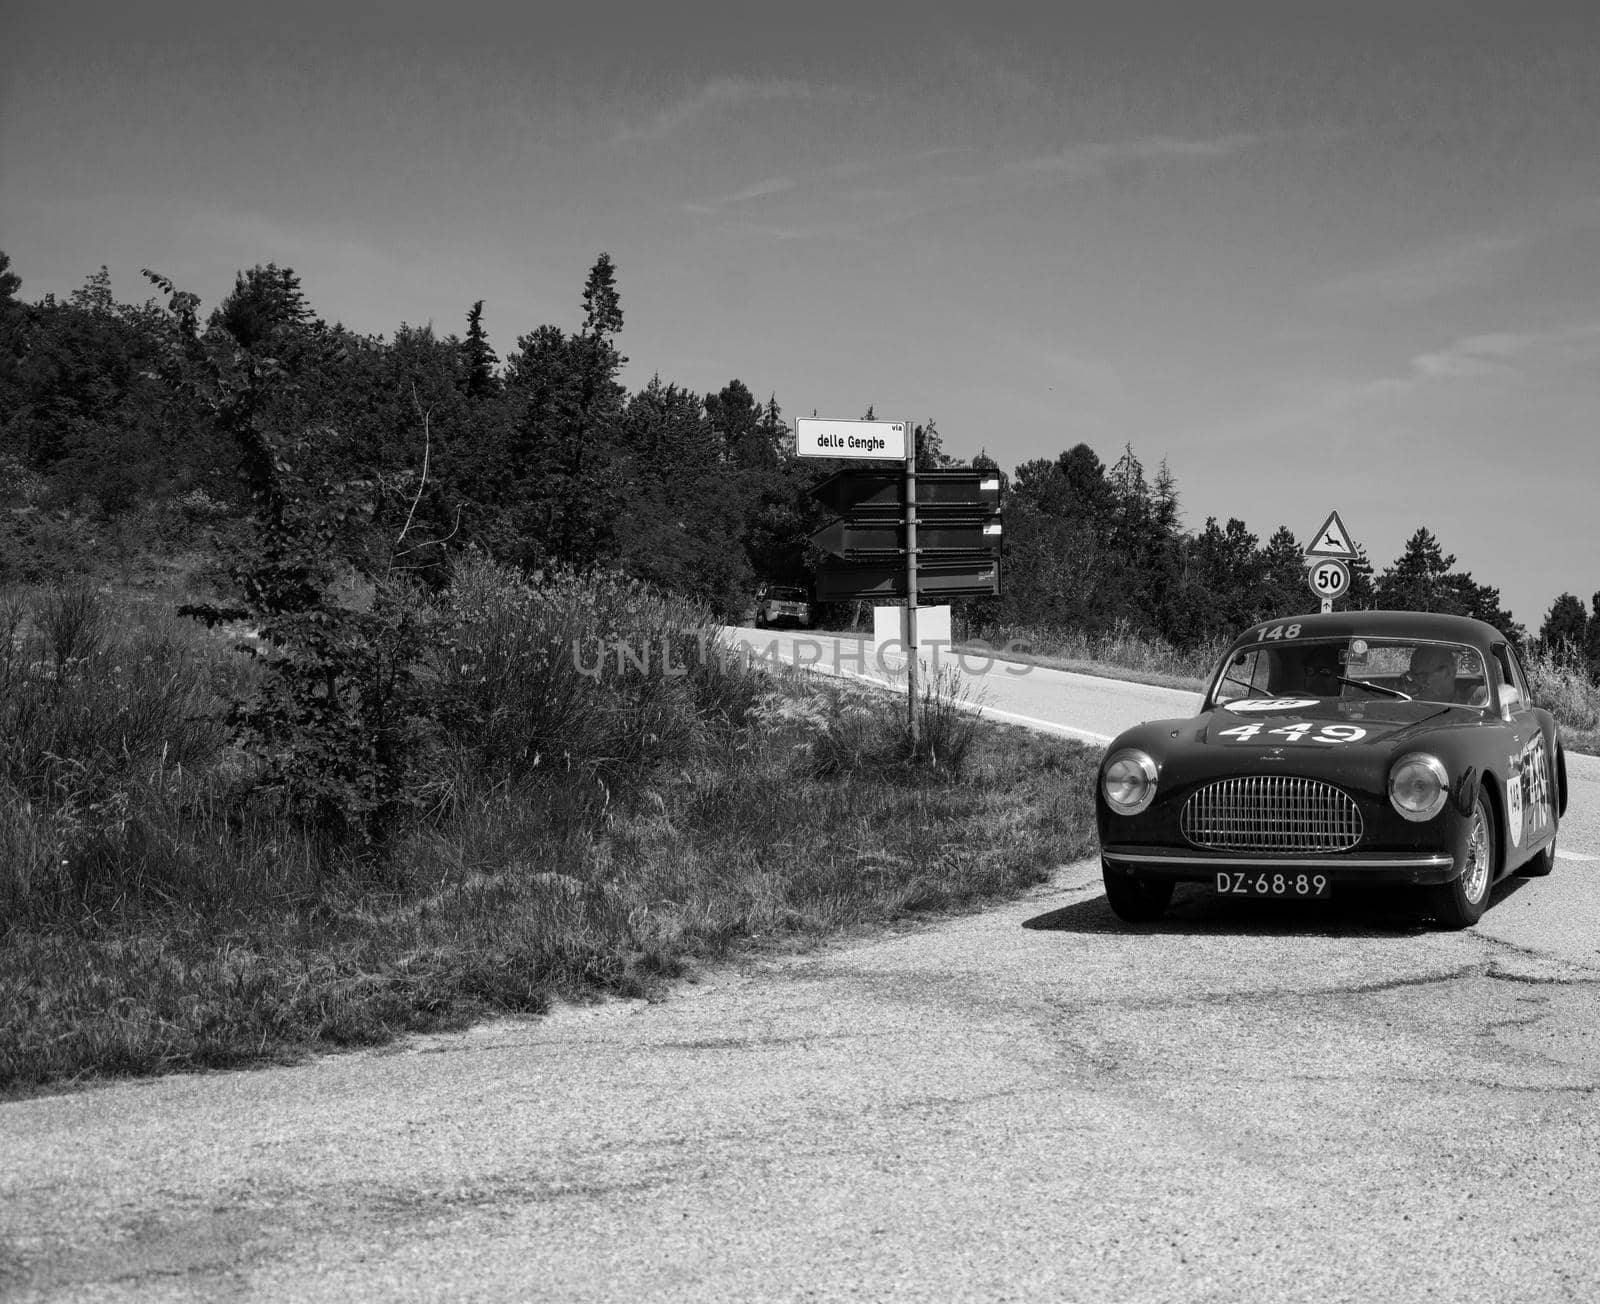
(1135, 900)
(1460, 902)
(1542, 863)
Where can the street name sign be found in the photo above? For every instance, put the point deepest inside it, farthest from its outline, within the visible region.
(875, 440)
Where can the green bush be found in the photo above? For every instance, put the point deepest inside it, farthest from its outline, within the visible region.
(591, 674)
(1569, 694)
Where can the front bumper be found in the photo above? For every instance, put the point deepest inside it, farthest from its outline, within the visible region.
(1168, 863)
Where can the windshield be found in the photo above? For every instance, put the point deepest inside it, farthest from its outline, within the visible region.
(1423, 670)
(782, 593)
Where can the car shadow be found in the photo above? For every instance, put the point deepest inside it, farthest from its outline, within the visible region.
(1353, 912)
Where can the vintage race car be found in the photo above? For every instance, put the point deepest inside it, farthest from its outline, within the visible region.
(1358, 747)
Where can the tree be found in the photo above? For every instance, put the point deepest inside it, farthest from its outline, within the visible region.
(1221, 587)
(563, 445)
(267, 305)
(13, 333)
(1565, 630)
(94, 295)
(1418, 580)
(480, 358)
(930, 452)
(10, 282)
(1482, 602)
(1591, 640)
(1363, 593)
(737, 425)
(1284, 590)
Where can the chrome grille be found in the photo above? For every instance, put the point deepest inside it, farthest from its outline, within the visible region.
(1271, 812)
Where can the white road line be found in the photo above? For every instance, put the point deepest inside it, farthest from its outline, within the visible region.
(1573, 855)
(1047, 726)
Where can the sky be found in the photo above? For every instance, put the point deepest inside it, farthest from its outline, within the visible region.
(1316, 257)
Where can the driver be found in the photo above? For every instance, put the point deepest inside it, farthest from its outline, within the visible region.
(1432, 674)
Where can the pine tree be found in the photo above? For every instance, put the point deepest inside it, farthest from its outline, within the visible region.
(930, 447)
(1362, 594)
(736, 420)
(1418, 580)
(1565, 629)
(480, 358)
(94, 295)
(266, 306)
(1591, 639)
(1285, 589)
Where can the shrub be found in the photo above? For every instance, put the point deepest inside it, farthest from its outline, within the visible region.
(101, 722)
(1567, 692)
(1122, 648)
(598, 673)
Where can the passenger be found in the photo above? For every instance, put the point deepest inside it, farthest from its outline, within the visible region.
(1322, 670)
(1432, 674)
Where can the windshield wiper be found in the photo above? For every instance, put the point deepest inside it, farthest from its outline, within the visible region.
(1376, 688)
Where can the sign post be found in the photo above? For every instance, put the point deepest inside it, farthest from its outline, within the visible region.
(902, 535)
(1329, 578)
(1326, 572)
(911, 586)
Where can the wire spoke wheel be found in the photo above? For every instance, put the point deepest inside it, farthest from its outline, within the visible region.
(1460, 902)
(1475, 873)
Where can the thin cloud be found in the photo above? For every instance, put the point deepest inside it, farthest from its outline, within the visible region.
(1475, 355)
(1499, 353)
(1092, 158)
(718, 94)
(894, 198)
(1459, 264)
(760, 190)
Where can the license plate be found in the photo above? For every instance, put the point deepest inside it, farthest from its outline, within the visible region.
(1273, 883)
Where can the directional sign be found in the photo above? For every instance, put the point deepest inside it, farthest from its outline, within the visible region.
(1332, 540)
(881, 492)
(874, 440)
(1329, 578)
(886, 535)
(839, 581)
(957, 542)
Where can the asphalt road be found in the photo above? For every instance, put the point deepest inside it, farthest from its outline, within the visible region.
(1284, 1101)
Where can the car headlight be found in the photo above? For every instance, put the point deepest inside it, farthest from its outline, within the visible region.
(1129, 781)
(1418, 786)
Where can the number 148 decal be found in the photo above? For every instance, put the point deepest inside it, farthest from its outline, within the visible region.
(1295, 733)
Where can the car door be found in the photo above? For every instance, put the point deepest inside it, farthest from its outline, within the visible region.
(1530, 792)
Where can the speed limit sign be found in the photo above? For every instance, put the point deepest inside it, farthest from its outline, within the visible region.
(1329, 579)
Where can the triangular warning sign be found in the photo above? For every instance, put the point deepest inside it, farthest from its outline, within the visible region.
(1332, 540)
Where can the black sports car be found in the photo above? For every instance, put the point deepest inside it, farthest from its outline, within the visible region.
(1357, 747)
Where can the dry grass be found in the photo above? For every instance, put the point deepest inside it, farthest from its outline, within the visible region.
(1571, 695)
(1118, 654)
(162, 920)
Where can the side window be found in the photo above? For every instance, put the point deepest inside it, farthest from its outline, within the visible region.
(1518, 677)
(1513, 687)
